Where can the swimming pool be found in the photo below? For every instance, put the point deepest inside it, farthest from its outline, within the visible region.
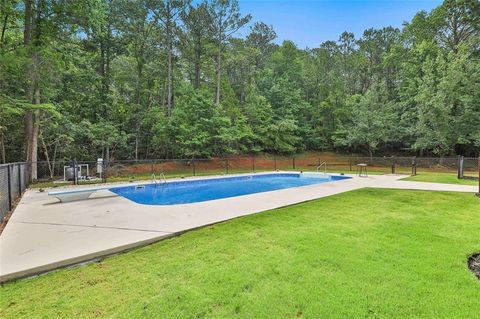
(201, 190)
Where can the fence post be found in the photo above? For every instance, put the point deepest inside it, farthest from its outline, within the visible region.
(75, 173)
(294, 162)
(460, 167)
(274, 162)
(393, 165)
(253, 163)
(104, 167)
(478, 166)
(9, 188)
(414, 166)
(194, 170)
(350, 162)
(19, 180)
(226, 163)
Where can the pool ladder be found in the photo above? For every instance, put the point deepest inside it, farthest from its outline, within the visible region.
(162, 175)
(324, 164)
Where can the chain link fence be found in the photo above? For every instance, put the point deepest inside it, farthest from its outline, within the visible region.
(63, 172)
(469, 168)
(14, 177)
(13, 182)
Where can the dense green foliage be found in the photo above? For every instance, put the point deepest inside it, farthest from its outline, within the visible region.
(365, 254)
(167, 78)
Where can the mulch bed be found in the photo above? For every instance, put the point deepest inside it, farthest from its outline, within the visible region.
(474, 264)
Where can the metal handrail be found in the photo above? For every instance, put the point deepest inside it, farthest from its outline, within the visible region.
(154, 178)
(163, 177)
(325, 167)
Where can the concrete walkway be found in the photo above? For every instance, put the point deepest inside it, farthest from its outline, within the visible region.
(43, 234)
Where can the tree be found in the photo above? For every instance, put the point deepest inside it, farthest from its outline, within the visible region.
(39, 17)
(154, 78)
(260, 38)
(167, 12)
(371, 123)
(10, 109)
(196, 25)
(259, 115)
(458, 22)
(137, 27)
(227, 20)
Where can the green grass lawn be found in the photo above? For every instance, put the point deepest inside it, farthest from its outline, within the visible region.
(368, 253)
(447, 178)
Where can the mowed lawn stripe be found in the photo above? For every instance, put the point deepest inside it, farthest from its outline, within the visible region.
(366, 253)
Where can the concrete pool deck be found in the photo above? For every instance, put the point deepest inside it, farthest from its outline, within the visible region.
(43, 234)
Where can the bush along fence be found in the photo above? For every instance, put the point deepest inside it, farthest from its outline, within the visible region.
(13, 182)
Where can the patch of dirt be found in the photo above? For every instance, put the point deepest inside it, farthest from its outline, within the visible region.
(3, 223)
(474, 264)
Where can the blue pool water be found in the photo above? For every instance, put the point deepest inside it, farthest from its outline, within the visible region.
(192, 191)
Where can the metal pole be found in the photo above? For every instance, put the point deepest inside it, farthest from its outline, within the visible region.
(107, 165)
(274, 162)
(104, 170)
(19, 180)
(226, 163)
(253, 163)
(294, 162)
(194, 172)
(75, 171)
(459, 167)
(478, 166)
(9, 188)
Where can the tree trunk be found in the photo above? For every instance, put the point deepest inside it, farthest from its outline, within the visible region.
(2, 144)
(198, 53)
(47, 157)
(33, 91)
(34, 137)
(4, 28)
(105, 73)
(27, 30)
(169, 81)
(169, 62)
(219, 73)
(139, 102)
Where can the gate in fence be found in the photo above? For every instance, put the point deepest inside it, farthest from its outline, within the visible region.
(468, 167)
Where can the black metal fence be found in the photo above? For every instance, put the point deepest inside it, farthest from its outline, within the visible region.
(84, 172)
(14, 177)
(13, 181)
(468, 168)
